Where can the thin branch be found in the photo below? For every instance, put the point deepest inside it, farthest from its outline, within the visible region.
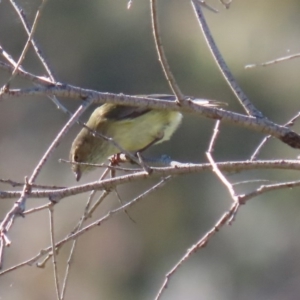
(21, 13)
(109, 166)
(226, 3)
(36, 209)
(216, 170)
(268, 188)
(290, 123)
(39, 186)
(114, 211)
(37, 50)
(30, 36)
(58, 138)
(214, 165)
(79, 226)
(10, 217)
(129, 4)
(19, 206)
(199, 244)
(54, 261)
(161, 53)
(273, 62)
(2, 246)
(205, 5)
(38, 80)
(241, 96)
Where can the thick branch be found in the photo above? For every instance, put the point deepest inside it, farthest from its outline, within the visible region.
(258, 124)
(175, 169)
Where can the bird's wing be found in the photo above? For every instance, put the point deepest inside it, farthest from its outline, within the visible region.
(122, 112)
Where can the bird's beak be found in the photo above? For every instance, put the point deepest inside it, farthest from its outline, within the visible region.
(77, 174)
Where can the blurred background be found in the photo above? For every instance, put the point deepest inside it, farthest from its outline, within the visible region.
(101, 45)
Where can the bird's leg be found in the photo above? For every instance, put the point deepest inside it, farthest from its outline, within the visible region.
(143, 164)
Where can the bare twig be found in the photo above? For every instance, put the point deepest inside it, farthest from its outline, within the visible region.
(161, 53)
(202, 242)
(262, 125)
(226, 3)
(214, 165)
(30, 36)
(58, 138)
(54, 261)
(129, 4)
(241, 96)
(215, 168)
(79, 226)
(267, 188)
(175, 169)
(36, 209)
(19, 206)
(37, 50)
(39, 186)
(273, 62)
(21, 13)
(204, 4)
(92, 225)
(290, 123)
(38, 80)
(2, 244)
(109, 166)
(199, 244)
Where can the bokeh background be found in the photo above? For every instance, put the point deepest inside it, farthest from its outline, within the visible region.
(103, 46)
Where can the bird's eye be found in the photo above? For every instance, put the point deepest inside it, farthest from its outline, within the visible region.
(76, 157)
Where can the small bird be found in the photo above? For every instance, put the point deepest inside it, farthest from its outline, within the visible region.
(133, 128)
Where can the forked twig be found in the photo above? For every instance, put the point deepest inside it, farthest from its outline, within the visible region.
(199, 244)
(218, 172)
(38, 51)
(90, 226)
(30, 36)
(226, 218)
(290, 123)
(226, 3)
(19, 206)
